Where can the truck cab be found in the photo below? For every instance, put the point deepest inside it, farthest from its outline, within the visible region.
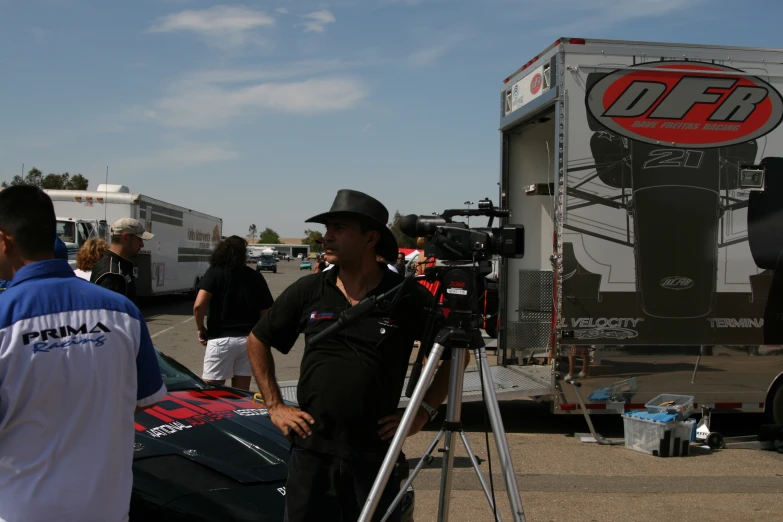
(75, 232)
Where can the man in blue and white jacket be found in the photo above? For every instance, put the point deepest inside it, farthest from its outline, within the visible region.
(76, 362)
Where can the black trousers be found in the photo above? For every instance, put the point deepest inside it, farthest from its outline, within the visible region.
(325, 487)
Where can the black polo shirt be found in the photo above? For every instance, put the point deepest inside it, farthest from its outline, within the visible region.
(238, 296)
(351, 380)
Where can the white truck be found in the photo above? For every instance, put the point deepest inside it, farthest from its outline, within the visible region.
(172, 262)
(649, 180)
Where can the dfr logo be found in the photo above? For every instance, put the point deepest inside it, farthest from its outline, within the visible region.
(536, 83)
(677, 283)
(685, 104)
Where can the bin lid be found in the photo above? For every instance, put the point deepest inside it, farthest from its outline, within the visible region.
(657, 417)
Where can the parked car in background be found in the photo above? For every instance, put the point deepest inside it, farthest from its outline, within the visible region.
(267, 263)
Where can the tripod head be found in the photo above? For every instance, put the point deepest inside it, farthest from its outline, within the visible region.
(461, 288)
(456, 321)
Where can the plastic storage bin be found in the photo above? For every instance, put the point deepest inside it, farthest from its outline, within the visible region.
(660, 439)
(683, 405)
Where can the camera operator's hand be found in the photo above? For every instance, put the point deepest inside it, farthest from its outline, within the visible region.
(288, 419)
(390, 423)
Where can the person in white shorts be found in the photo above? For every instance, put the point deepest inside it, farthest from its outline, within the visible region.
(233, 297)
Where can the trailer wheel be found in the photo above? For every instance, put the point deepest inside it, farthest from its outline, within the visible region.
(776, 404)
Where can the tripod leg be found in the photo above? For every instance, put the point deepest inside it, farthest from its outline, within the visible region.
(453, 415)
(499, 431)
(481, 478)
(412, 476)
(402, 432)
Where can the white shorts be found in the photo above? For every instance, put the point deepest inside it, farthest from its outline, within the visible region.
(226, 357)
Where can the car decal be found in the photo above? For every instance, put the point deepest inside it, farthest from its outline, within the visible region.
(181, 410)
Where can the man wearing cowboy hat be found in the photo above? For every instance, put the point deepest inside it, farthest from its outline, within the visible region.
(115, 270)
(350, 383)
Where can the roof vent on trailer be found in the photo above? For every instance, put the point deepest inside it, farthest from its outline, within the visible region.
(121, 189)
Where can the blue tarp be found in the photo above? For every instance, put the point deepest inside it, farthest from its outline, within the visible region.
(600, 395)
(657, 417)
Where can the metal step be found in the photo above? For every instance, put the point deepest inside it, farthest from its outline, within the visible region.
(510, 382)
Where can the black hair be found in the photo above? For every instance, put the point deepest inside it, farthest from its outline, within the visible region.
(27, 214)
(365, 225)
(230, 253)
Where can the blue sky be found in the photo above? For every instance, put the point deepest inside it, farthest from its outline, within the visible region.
(259, 111)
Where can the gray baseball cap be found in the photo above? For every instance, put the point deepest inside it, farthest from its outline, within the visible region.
(130, 226)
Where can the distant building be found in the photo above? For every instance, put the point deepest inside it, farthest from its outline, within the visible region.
(292, 249)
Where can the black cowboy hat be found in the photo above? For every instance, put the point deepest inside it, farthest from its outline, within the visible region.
(360, 206)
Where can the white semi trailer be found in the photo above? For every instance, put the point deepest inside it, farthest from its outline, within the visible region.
(648, 177)
(172, 262)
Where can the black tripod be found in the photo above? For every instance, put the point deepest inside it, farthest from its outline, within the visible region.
(459, 287)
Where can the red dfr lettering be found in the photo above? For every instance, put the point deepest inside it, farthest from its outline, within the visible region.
(158, 414)
(187, 411)
(210, 400)
(204, 400)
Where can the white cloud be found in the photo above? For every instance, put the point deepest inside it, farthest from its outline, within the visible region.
(137, 113)
(410, 2)
(197, 154)
(290, 70)
(367, 127)
(430, 54)
(39, 33)
(221, 25)
(182, 154)
(317, 20)
(203, 104)
(281, 10)
(598, 14)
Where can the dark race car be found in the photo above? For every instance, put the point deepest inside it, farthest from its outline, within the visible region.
(210, 453)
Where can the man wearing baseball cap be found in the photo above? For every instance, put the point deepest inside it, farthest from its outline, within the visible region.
(116, 271)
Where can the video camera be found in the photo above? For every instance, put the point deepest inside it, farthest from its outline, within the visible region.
(450, 241)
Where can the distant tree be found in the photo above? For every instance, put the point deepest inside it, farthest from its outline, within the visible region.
(56, 181)
(252, 230)
(53, 181)
(269, 237)
(78, 182)
(312, 238)
(34, 177)
(403, 240)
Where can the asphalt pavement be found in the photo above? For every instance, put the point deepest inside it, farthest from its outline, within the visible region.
(560, 479)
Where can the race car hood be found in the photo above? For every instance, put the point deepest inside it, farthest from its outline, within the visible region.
(219, 429)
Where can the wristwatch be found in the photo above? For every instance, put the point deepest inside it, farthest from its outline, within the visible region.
(432, 412)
